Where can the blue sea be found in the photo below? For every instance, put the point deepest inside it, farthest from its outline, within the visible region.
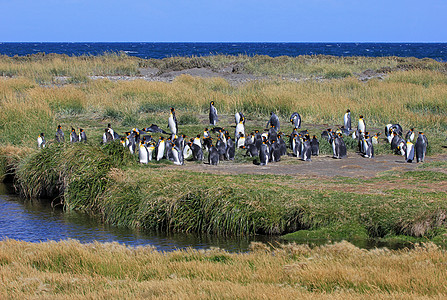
(437, 51)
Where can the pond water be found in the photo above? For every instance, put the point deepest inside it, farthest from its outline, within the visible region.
(35, 221)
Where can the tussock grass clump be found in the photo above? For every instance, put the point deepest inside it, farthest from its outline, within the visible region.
(75, 172)
(292, 271)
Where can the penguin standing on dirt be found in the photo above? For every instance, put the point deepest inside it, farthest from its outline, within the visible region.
(339, 147)
(347, 120)
(172, 122)
(361, 124)
(409, 153)
(213, 156)
(161, 148)
(213, 114)
(41, 141)
(221, 148)
(178, 156)
(368, 147)
(82, 135)
(264, 154)
(295, 119)
(282, 145)
(150, 150)
(143, 154)
(315, 145)
(231, 149)
(275, 152)
(197, 152)
(60, 137)
(274, 121)
(187, 151)
(421, 147)
(168, 147)
(307, 150)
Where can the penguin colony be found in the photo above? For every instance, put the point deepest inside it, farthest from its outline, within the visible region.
(268, 146)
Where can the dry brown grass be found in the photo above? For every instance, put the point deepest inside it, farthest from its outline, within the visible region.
(70, 270)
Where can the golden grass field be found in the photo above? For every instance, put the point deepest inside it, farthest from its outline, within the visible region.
(70, 270)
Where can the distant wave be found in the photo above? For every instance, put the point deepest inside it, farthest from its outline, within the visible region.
(437, 51)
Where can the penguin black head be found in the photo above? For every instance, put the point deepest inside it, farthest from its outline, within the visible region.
(72, 129)
(162, 138)
(172, 109)
(348, 110)
(206, 129)
(106, 130)
(81, 130)
(59, 126)
(212, 102)
(198, 136)
(361, 116)
(109, 125)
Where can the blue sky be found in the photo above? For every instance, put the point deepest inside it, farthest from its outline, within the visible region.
(223, 21)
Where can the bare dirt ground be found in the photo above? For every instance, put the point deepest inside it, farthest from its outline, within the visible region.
(354, 166)
(229, 74)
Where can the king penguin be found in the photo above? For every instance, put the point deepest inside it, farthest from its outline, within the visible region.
(264, 155)
(150, 150)
(231, 149)
(41, 141)
(178, 155)
(82, 135)
(73, 136)
(307, 150)
(361, 125)
(197, 152)
(274, 121)
(160, 148)
(239, 117)
(421, 147)
(172, 122)
(60, 137)
(410, 135)
(315, 145)
(347, 120)
(295, 119)
(213, 156)
(409, 153)
(143, 154)
(240, 129)
(213, 114)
